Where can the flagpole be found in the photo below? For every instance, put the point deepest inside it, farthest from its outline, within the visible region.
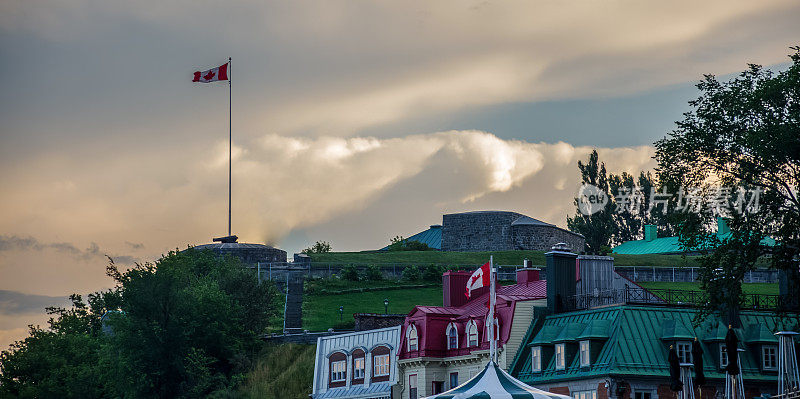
(492, 339)
(230, 141)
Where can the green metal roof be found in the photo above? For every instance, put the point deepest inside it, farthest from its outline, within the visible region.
(546, 335)
(432, 237)
(663, 245)
(759, 333)
(596, 329)
(635, 345)
(570, 332)
(673, 330)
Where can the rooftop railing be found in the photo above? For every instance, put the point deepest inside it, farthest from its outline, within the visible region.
(666, 297)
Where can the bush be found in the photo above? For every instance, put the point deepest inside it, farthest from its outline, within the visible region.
(373, 273)
(411, 273)
(344, 325)
(350, 273)
(432, 273)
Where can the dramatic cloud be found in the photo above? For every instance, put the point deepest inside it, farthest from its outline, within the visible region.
(12, 302)
(8, 243)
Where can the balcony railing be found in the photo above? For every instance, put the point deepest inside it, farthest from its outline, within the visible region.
(663, 297)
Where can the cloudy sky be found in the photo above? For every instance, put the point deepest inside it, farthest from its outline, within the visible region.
(353, 121)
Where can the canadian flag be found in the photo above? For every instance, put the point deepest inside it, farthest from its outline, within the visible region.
(479, 279)
(212, 75)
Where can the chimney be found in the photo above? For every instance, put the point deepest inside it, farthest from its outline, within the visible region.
(650, 232)
(527, 275)
(454, 287)
(560, 276)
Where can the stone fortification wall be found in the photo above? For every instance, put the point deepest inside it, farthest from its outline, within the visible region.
(543, 237)
(477, 231)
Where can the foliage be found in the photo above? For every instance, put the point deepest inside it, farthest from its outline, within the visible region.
(280, 372)
(350, 273)
(320, 247)
(411, 273)
(399, 243)
(432, 273)
(373, 273)
(597, 228)
(743, 134)
(182, 327)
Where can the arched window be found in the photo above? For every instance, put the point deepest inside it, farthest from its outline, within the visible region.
(472, 334)
(413, 338)
(452, 336)
(380, 364)
(337, 365)
(358, 366)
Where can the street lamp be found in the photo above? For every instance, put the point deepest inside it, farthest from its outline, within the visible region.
(341, 312)
(386, 306)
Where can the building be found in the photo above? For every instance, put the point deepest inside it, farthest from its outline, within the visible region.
(495, 231)
(357, 365)
(653, 244)
(249, 254)
(610, 342)
(443, 346)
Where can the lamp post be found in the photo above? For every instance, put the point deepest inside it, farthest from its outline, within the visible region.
(341, 312)
(386, 306)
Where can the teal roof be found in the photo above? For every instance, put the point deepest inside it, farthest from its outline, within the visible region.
(431, 237)
(759, 333)
(546, 335)
(635, 345)
(570, 332)
(665, 245)
(596, 329)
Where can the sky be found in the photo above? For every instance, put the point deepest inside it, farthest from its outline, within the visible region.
(352, 121)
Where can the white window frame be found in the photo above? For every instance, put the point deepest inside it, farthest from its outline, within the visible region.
(773, 355)
(536, 359)
(472, 331)
(339, 371)
(643, 392)
(684, 350)
(412, 386)
(723, 356)
(451, 327)
(413, 338)
(381, 365)
(561, 357)
(584, 353)
(359, 369)
(588, 394)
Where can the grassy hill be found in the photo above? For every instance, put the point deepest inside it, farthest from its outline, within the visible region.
(280, 371)
(477, 258)
(750, 288)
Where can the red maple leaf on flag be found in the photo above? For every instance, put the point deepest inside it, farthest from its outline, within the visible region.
(209, 75)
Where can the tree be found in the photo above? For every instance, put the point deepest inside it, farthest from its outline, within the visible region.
(741, 136)
(598, 227)
(399, 243)
(320, 247)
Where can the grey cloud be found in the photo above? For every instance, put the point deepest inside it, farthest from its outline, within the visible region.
(134, 245)
(93, 251)
(13, 302)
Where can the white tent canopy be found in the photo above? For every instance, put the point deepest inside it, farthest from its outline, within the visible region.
(494, 383)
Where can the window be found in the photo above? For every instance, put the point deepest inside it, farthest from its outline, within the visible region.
(769, 356)
(560, 357)
(358, 368)
(381, 365)
(723, 356)
(643, 395)
(472, 334)
(412, 386)
(585, 361)
(452, 336)
(413, 342)
(684, 351)
(453, 380)
(585, 394)
(339, 370)
(437, 387)
(536, 359)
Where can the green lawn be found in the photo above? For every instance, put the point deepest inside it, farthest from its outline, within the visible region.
(476, 258)
(751, 288)
(321, 312)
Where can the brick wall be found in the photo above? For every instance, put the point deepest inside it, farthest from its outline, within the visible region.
(560, 390)
(477, 231)
(542, 238)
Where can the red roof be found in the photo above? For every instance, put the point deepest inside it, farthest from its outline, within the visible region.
(431, 322)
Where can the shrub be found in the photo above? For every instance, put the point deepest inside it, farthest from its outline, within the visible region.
(350, 273)
(411, 273)
(432, 273)
(373, 273)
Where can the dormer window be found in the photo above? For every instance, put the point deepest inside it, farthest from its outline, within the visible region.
(413, 341)
(536, 359)
(769, 357)
(684, 350)
(472, 334)
(723, 356)
(584, 349)
(560, 357)
(452, 336)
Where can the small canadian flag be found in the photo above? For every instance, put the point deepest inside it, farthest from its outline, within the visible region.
(479, 279)
(212, 75)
